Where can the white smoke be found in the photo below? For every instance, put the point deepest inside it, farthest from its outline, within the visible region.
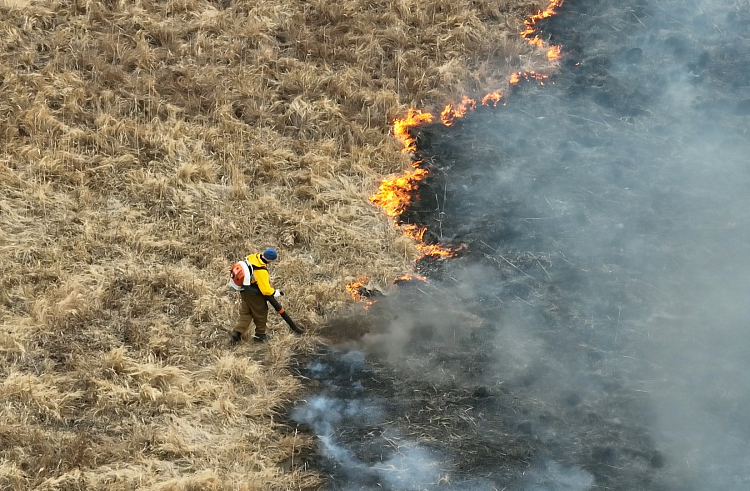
(551, 476)
(408, 467)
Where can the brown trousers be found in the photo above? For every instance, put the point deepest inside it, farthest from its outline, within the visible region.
(253, 307)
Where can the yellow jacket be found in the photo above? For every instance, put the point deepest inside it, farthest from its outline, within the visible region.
(260, 276)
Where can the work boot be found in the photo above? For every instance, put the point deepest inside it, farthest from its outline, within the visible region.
(236, 337)
(259, 338)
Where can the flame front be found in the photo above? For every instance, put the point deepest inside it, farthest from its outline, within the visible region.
(554, 53)
(528, 77)
(493, 98)
(428, 250)
(415, 117)
(451, 112)
(355, 289)
(530, 33)
(395, 194)
(410, 277)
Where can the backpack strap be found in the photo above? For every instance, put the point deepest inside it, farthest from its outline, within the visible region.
(253, 268)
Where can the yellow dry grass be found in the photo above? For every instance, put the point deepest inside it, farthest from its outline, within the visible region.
(146, 145)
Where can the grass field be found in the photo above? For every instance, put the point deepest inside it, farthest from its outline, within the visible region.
(145, 146)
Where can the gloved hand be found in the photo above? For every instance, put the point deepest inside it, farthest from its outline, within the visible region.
(277, 293)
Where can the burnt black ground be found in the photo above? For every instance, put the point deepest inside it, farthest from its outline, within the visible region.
(593, 333)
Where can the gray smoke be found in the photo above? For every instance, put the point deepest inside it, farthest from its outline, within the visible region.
(551, 476)
(403, 464)
(597, 331)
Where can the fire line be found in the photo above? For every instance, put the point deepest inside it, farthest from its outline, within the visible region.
(396, 193)
(359, 292)
(531, 35)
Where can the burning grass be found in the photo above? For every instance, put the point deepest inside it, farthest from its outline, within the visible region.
(531, 32)
(396, 193)
(147, 146)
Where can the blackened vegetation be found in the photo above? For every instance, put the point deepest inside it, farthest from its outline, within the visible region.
(473, 435)
(582, 205)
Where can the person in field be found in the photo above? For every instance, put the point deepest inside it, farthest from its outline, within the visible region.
(250, 277)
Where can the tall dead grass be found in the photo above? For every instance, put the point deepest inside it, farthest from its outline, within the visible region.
(144, 146)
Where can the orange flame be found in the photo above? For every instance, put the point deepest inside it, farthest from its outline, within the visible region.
(415, 117)
(527, 76)
(414, 231)
(493, 98)
(530, 23)
(432, 250)
(355, 290)
(451, 112)
(438, 251)
(410, 277)
(554, 53)
(395, 194)
(530, 33)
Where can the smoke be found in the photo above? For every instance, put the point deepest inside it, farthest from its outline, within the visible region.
(388, 460)
(323, 414)
(595, 332)
(410, 466)
(551, 476)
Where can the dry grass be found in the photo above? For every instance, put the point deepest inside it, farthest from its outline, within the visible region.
(144, 146)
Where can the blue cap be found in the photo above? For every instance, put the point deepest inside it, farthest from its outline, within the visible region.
(270, 254)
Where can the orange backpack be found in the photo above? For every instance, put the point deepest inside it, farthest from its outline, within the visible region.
(237, 275)
(241, 274)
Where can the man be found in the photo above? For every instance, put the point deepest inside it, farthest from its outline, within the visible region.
(253, 306)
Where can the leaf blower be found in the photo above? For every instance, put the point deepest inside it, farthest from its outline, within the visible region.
(280, 310)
